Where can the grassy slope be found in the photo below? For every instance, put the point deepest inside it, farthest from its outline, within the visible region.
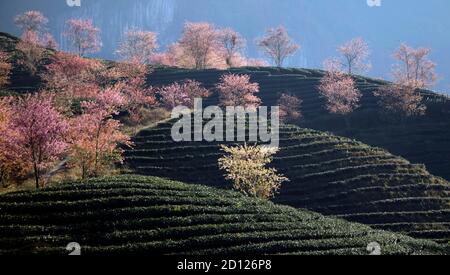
(331, 175)
(131, 214)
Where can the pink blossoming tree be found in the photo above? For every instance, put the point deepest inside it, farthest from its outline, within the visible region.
(71, 77)
(400, 99)
(233, 44)
(339, 90)
(290, 108)
(5, 69)
(31, 21)
(354, 54)
(138, 95)
(414, 71)
(237, 90)
(414, 68)
(182, 93)
(31, 51)
(138, 46)
(200, 43)
(83, 35)
(40, 132)
(95, 135)
(277, 45)
(11, 164)
(34, 29)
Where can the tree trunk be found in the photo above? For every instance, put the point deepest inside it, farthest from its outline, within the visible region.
(36, 175)
(35, 166)
(228, 60)
(97, 150)
(3, 178)
(83, 171)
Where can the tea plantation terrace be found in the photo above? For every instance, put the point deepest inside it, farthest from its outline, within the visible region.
(131, 214)
(418, 139)
(332, 175)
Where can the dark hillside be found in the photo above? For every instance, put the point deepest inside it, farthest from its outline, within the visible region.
(332, 175)
(420, 139)
(21, 80)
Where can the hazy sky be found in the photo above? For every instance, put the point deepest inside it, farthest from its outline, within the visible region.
(318, 25)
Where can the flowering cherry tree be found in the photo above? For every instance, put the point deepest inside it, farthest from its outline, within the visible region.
(83, 35)
(182, 93)
(194, 89)
(138, 46)
(71, 77)
(34, 29)
(354, 54)
(174, 95)
(414, 71)
(32, 53)
(138, 95)
(67, 71)
(31, 21)
(11, 164)
(277, 45)
(95, 135)
(414, 68)
(400, 99)
(237, 90)
(40, 132)
(200, 43)
(175, 56)
(5, 69)
(289, 108)
(233, 44)
(203, 46)
(340, 92)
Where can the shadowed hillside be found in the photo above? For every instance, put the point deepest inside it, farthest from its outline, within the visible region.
(21, 80)
(419, 139)
(128, 215)
(329, 174)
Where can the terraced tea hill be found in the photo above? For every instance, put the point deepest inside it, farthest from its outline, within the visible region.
(332, 175)
(420, 140)
(130, 215)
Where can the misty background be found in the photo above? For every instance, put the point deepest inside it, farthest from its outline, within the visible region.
(319, 26)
